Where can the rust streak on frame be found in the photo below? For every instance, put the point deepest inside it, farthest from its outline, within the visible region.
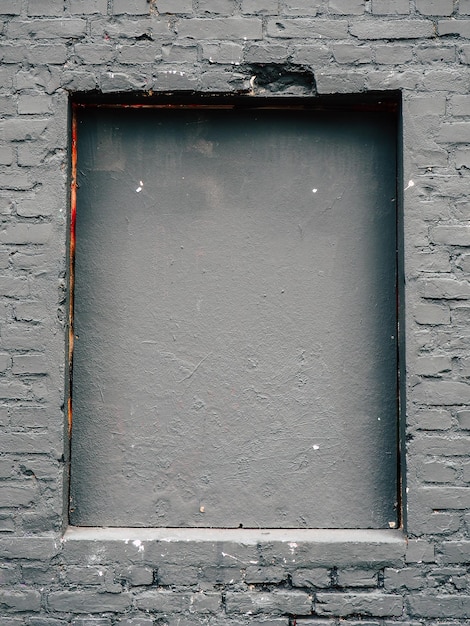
(73, 215)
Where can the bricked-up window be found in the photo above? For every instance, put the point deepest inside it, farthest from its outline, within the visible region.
(235, 353)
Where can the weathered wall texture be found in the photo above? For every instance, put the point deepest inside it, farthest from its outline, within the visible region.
(50, 49)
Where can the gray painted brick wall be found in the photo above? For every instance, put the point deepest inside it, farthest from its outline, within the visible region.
(50, 49)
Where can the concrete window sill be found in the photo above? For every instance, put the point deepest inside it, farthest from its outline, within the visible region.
(237, 547)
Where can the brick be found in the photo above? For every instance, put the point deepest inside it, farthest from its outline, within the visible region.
(465, 54)
(5, 362)
(206, 603)
(91, 621)
(222, 52)
(259, 574)
(419, 551)
(6, 471)
(445, 80)
(454, 27)
(439, 606)
(213, 80)
(7, 105)
(30, 364)
(396, 29)
(216, 7)
(88, 601)
(6, 155)
(47, 29)
(451, 235)
(434, 314)
(9, 575)
(463, 418)
(221, 28)
(119, 81)
(36, 8)
(357, 577)
(14, 286)
(154, 27)
(174, 80)
(37, 575)
(7, 523)
(437, 472)
(163, 601)
(462, 158)
(174, 6)
(442, 392)
(303, 27)
(85, 575)
(435, 7)
(84, 7)
(408, 578)
(340, 82)
(393, 55)
(95, 54)
(34, 104)
(177, 575)
(367, 604)
(260, 7)
(17, 495)
(23, 234)
(30, 548)
(22, 130)
(138, 53)
(350, 53)
(179, 53)
(222, 575)
(466, 472)
(312, 55)
(301, 7)
(10, 7)
(30, 311)
(464, 367)
(16, 181)
(432, 365)
(130, 7)
(20, 601)
(346, 7)
(275, 603)
(439, 497)
(47, 54)
(25, 443)
(43, 469)
(14, 391)
(137, 576)
(12, 53)
(390, 7)
(445, 289)
(436, 54)
(311, 577)
(140, 620)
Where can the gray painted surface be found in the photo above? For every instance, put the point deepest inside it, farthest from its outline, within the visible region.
(235, 360)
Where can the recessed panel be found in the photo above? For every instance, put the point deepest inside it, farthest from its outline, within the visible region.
(235, 319)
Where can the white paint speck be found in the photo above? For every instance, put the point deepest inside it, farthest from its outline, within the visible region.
(392, 524)
(409, 185)
(314, 190)
(140, 187)
(138, 544)
(316, 447)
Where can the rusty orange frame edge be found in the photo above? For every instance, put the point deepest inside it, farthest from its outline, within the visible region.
(73, 215)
